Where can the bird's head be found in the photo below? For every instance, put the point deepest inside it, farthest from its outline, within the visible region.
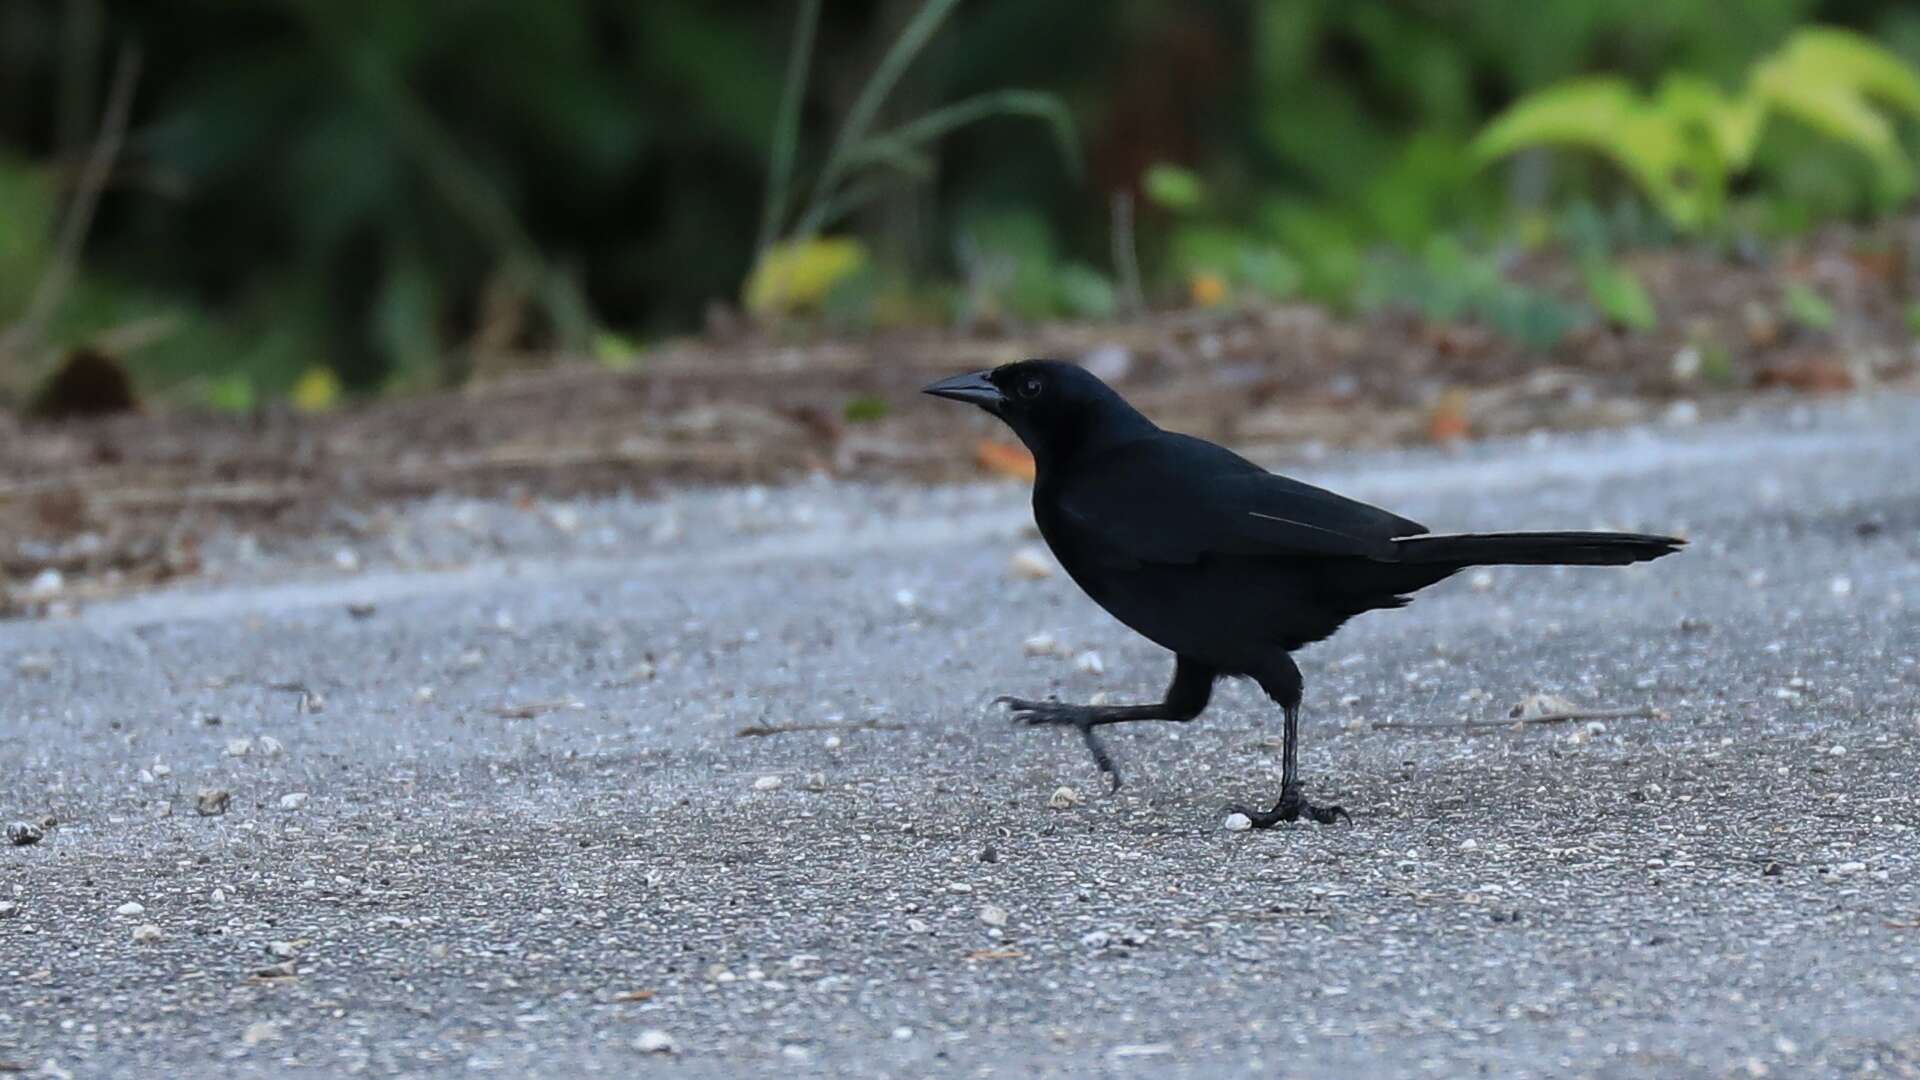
(1058, 409)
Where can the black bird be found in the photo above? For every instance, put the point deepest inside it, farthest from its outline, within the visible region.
(1227, 565)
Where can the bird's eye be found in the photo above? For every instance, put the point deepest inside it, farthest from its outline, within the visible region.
(1030, 386)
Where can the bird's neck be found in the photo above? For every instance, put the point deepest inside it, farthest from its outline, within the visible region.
(1066, 446)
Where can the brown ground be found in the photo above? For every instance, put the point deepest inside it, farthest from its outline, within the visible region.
(120, 502)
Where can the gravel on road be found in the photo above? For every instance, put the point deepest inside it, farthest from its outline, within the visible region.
(711, 784)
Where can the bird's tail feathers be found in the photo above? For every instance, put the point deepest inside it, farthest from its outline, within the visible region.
(1535, 549)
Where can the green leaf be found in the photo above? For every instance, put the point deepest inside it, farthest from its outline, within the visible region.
(1085, 292)
(1606, 116)
(1620, 296)
(866, 409)
(1807, 307)
(1173, 187)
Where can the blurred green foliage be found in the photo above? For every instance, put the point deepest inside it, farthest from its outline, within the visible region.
(395, 192)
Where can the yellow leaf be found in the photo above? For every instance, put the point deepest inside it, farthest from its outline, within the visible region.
(797, 275)
(317, 391)
(1207, 290)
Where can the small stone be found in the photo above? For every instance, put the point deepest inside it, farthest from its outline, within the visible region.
(239, 747)
(217, 897)
(655, 1041)
(902, 1034)
(293, 800)
(1841, 586)
(917, 926)
(8, 909)
(282, 950)
(989, 854)
(270, 746)
(346, 559)
(263, 1031)
(34, 666)
(816, 781)
(1063, 798)
(766, 783)
(1837, 750)
(46, 585)
(1481, 581)
(1849, 869)
(1098, 939)
(1030, 565)
(1772, 869)
(1469, 845)
(1090, 663)
(905, 599)
(993, 915)
(22, 833)
(131, 907)
(1237, 822)
(833, 742)
(1041, 645)
(147, 934)
(212, 802)
(1534, 706)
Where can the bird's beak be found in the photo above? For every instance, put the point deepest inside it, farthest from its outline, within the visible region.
(974, 388)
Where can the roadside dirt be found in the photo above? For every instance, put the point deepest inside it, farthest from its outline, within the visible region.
(101, 506)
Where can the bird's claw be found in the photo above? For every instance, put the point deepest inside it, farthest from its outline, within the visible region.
(1292, 807)
(1060, 714)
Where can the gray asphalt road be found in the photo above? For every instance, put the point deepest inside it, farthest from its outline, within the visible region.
(516, 827)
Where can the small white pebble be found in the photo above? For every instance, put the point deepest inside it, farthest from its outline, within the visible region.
(1090, 663)
(270, 746)
(1063, 798)
(239, 747)
(655, 1041)
(1030, 564)
(293, 800)
(1841, 586)
(1041, 645)
(1469, 845)
(146, 934)
(1848, 869)
(1237, 822)
(131, 907)
(833, 742)
(993, 915)
(906, 599)
(766, 783)
(1481, 581)
(1837, 750)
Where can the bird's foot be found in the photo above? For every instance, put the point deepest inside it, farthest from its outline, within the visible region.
(1292, 807)
(1061, 714)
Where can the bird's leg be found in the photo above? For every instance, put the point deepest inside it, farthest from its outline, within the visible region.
(1186, 696)
(1285, 686)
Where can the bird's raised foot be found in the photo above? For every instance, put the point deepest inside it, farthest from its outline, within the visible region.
(1038, 713)
(1292, 807)
(1061, 714)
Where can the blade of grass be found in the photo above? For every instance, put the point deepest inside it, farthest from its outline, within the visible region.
(786, 128)
(949, 118)
(913, 38)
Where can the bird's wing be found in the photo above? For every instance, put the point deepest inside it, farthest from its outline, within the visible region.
(1175, 499)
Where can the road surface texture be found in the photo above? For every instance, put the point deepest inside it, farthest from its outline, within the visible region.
(711, 786)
